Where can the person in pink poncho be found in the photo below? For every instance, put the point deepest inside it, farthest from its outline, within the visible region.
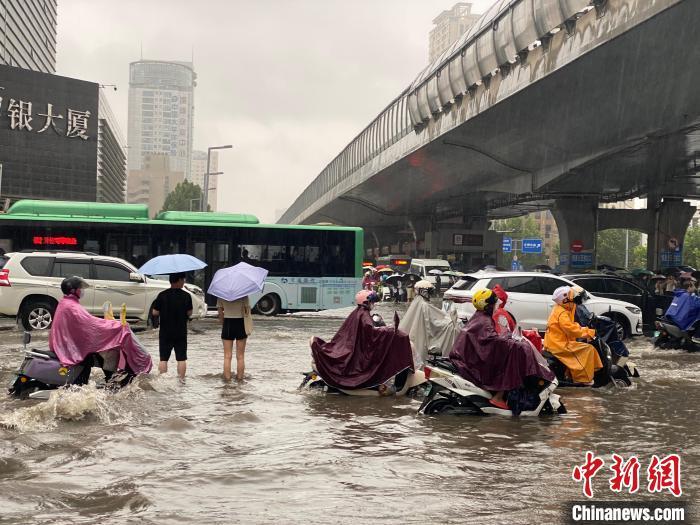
(76, 335)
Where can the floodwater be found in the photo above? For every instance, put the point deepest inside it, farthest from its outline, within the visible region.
(262, 452)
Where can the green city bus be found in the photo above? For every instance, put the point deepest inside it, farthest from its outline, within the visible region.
(310, 267)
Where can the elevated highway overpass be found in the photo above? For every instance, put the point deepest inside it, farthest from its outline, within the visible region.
(558, 104)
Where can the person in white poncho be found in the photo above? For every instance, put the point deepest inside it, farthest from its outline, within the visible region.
(429, 328)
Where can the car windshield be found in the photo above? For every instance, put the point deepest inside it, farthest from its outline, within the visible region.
(441, 268)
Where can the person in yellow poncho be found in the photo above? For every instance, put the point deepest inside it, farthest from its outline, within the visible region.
(581, 359)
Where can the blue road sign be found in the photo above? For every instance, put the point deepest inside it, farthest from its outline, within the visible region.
(507, 244)
(515, 266)
(581, 260)
(532, 246)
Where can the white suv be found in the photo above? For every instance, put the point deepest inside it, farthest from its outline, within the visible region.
(530, 299)
(30, 286)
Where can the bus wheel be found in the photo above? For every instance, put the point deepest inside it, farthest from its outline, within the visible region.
(268, 304)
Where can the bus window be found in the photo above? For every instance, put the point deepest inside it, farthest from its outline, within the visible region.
(219, 256)
(200, 252)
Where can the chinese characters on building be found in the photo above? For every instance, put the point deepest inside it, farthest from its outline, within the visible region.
(661, 474)
(23, 115)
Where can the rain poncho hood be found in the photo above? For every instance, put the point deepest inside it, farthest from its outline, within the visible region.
(429, 329)
(505, 325)
(495, 362)
(75, 334)
(684, 309)
(361, 355)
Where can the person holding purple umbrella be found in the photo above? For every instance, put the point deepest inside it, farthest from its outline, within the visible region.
(231, 286)
(237, 326)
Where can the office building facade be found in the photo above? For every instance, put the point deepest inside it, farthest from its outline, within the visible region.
(161, 113)
(28, 34)
(449, 26)
(48, 136)
(153, 182)
(111, 155)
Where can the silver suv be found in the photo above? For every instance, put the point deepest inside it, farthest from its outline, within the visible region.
(30, 286)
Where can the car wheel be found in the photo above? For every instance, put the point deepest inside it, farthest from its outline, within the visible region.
(268, 305)
(37, 315)
(621, 328)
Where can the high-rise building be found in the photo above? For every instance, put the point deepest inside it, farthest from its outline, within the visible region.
(449, 26)
(28, 34)
(152, 184)
(199, 168)
(161, 113)
(111, 155)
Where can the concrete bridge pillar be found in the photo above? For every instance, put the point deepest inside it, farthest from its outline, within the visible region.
(669, 222)
(577, 222)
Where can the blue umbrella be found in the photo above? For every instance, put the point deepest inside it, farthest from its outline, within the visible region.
(174, 263)
(237, 281)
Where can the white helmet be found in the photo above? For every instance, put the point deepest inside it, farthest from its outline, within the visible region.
(424, 284)
(561, 294)
(424, 288)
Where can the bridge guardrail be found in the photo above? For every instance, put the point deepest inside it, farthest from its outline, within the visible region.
(505, 32)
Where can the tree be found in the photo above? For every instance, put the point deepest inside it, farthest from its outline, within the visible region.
(691, 247)
(610, 248)
(185, 197)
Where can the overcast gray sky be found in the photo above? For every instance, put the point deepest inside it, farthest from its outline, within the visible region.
(288, 82)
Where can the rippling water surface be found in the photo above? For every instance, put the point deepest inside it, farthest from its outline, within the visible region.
(262, 452)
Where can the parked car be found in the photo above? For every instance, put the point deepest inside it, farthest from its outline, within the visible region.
(423, 267)
(30, 286)
(615, 287)
(530, 299)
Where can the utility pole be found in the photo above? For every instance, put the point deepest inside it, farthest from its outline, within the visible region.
(205, 190)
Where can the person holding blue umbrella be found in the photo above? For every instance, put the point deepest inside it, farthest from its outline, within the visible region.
(231, 286)
(172, 308)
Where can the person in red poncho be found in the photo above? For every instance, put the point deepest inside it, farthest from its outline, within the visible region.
(75, 334)
(505, 324)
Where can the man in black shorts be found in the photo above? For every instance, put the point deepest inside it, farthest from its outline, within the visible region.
(173, 308)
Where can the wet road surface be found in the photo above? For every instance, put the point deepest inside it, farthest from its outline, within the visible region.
(262, 452)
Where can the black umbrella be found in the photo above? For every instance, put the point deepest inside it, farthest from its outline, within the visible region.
(411, 278)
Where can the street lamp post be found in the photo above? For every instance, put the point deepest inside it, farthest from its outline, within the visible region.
(205, 191)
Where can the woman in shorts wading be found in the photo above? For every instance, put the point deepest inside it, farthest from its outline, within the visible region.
(237, 326)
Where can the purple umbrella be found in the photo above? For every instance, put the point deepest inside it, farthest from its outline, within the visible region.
(237, 281)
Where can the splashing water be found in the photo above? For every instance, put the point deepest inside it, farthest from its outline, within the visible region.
(72, 403)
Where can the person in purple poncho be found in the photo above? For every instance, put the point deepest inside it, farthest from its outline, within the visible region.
(76, 335)
(498, 363)
(363, 353)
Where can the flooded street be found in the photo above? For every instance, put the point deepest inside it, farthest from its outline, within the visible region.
(262, 452)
